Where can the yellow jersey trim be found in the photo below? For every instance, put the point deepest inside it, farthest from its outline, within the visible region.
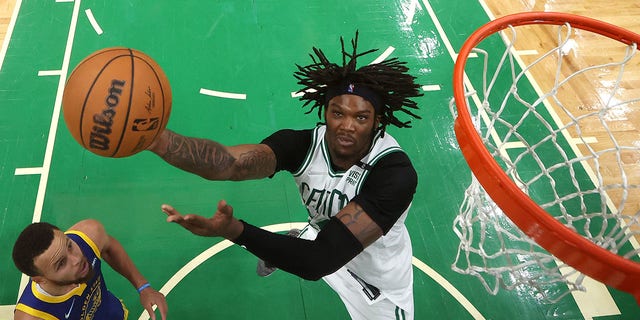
(87, 240)
(34, 312)
(57, 299)
(126, 311)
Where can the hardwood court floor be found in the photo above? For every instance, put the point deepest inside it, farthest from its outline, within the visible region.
(242, 47)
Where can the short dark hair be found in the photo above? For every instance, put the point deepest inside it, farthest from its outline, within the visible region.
(32, 242)
(388, 79)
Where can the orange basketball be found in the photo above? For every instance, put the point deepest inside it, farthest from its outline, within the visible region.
(116, 102)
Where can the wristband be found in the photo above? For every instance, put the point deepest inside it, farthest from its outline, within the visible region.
(144, 286)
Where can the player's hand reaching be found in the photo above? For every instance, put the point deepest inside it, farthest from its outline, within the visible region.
(150, 297)
(221, 224)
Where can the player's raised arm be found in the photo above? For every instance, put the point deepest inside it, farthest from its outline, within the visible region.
(341, 239)
(115, 255)
(214, 161)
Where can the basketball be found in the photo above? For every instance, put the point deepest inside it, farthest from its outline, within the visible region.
(116, 102)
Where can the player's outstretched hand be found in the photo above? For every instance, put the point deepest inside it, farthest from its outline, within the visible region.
(221, 224)
(150, 297)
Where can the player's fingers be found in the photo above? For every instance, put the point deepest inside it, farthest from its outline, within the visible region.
(152, 314)
(225, 208)
(169, 210)
(163, 310)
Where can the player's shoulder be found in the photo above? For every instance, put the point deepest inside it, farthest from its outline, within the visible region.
(87, 225)
(93, 229)
(397, 158)
(21, 315)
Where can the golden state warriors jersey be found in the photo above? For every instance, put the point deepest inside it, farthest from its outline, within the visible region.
(90, 300)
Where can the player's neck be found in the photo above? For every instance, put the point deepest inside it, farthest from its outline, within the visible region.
(53, 289)
(340, 163)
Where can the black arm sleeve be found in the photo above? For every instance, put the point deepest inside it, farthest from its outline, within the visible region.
(290, 147)
(334, 246)
(388, 190)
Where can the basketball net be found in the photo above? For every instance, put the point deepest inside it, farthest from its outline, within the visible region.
(555, 190)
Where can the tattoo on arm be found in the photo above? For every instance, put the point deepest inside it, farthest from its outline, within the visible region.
(351, 217)
(199, 156)
(212, 160)
(255, 164)
(357, 220)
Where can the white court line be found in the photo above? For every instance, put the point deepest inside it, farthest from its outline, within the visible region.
(6, 311)
(220, 94)
(449, 287)
(512, 145)
(28, 171)
(296, 94)
(7, 36)
(93, 21)
(431, 87)
(43, 73)
(46, 166)
(526, 52)
(384, 55)
(224, 244)
(586, 140)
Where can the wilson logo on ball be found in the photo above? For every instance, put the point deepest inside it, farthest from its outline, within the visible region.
(103, 121)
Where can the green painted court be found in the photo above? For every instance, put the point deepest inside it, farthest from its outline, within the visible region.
(248, 48)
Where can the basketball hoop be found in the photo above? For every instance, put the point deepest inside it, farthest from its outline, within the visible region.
(529, 149)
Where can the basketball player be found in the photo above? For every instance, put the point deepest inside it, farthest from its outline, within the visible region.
(66, 277)
(355, 180)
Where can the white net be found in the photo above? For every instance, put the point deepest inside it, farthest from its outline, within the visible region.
(569, 140)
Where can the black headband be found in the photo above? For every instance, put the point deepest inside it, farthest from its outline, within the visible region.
(358, 90)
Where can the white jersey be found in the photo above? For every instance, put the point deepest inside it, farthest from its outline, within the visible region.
(383, 269)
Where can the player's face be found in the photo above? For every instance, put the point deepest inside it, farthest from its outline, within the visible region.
(351, 121)
(63, 262)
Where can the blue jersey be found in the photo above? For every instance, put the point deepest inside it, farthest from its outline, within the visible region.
(90, 300)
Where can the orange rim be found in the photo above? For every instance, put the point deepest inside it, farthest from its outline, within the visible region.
(563, 243)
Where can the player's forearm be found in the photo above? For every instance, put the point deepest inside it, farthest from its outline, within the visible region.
(119, 260)
(212, 160)
(334, 246)
(206, 158)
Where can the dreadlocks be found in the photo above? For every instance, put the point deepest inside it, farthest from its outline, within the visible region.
(388, 81)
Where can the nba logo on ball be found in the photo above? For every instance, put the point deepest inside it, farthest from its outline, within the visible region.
(116, 102)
